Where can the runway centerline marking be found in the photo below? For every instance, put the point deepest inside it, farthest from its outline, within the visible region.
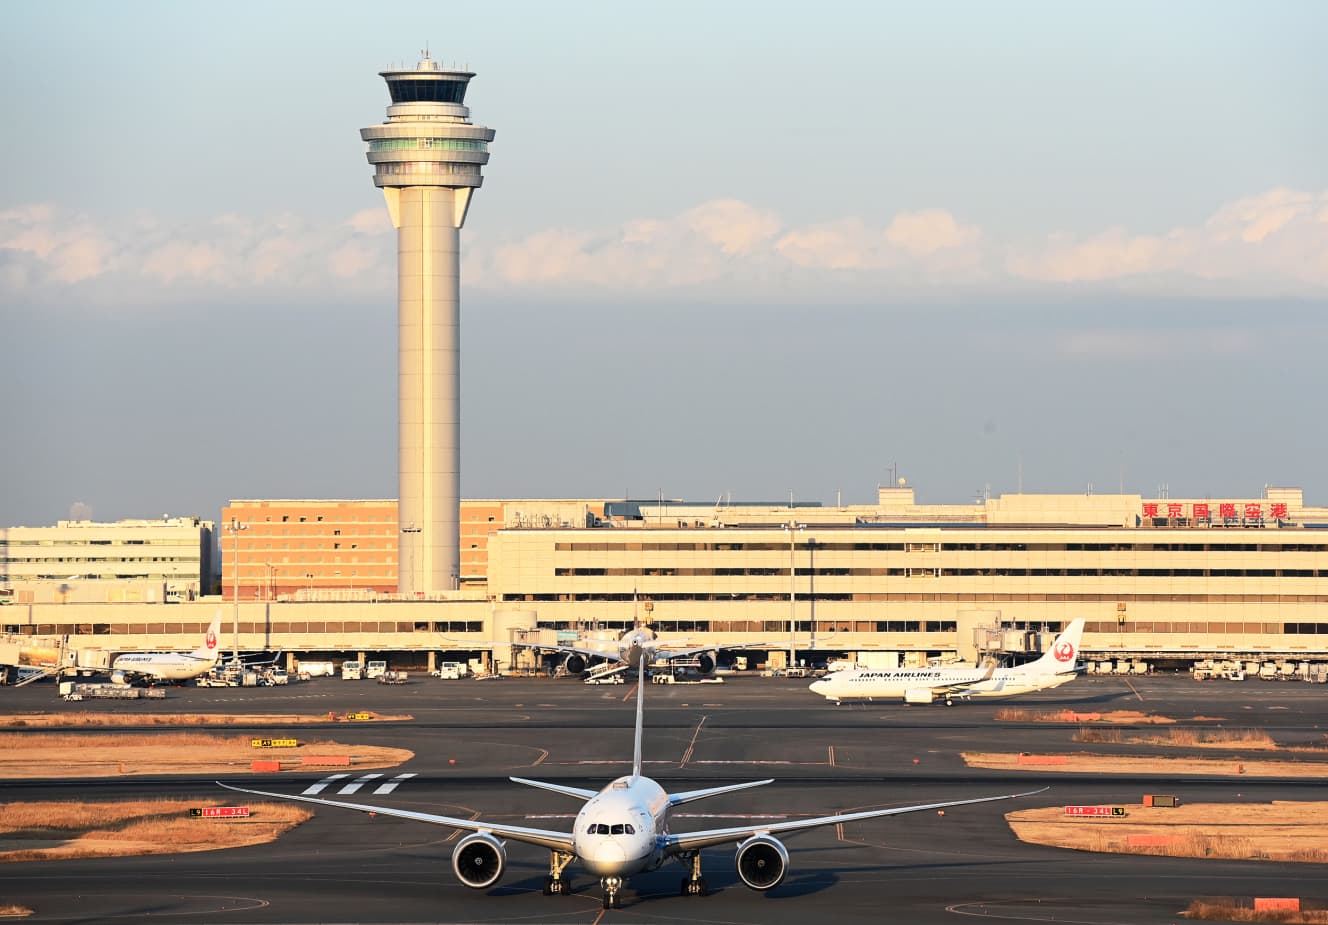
(691, 746)
(324, 784)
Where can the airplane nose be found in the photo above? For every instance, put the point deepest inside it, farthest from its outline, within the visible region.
(607, 859)
(818, 687)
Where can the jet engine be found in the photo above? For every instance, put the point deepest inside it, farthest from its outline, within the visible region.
(919, 695)
(705, 662)
(574, 664)
(762, 862)
(479, 860)
(119, 677)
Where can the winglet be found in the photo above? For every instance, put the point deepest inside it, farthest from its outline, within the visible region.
(642, 676)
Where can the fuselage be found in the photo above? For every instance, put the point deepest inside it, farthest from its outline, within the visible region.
(637, 646)
(874, 684)
(617, 832)
(164, 666)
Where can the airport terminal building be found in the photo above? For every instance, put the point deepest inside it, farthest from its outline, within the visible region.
(1160, 579)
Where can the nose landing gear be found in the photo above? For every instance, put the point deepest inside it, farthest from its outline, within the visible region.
(612, 886)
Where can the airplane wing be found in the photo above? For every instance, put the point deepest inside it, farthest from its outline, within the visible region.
(671, 653)
(693, 841)
(561, 841)
(959, 688)
(611, 655)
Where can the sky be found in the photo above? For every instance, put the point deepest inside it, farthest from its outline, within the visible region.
(742, 249)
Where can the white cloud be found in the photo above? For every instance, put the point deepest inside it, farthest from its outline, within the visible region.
(928, 231)
(1273, 243)
(371, 221)
(735, 226)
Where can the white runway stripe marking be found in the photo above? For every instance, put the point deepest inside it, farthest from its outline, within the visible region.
(358, 783)
(324, 784)
(392, 784)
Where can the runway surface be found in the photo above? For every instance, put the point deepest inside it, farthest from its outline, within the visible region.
(469, 736)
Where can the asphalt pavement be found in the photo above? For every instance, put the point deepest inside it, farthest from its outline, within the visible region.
(469, 736)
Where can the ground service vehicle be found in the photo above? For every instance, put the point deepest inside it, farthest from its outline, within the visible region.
(352, 671)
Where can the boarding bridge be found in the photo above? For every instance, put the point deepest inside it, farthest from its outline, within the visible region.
(24, 659)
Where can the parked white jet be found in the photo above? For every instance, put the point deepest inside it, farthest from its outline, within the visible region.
(624, 829)
(169, 666)
(924, 685)
(631, 649)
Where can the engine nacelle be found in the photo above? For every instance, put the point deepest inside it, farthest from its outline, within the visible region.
(919, 695)
(479, 860)
(705, 662)
(119, 677)
(762, 862)
(575, 664)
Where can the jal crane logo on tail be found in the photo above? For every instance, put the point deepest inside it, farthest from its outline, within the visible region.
(1064, 652)
(211, 640)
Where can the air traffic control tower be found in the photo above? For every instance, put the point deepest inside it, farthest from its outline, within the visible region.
(427, 158)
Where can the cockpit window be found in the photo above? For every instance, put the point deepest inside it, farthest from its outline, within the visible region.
(618, 828)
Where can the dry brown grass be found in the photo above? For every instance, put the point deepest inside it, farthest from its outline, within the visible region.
(1221, 909)
(1125, 717)
(135, 828)
(55, 754)
(1158, 765)
(86, 719)
(1278, 831)
(10, 910)
(1186, 737)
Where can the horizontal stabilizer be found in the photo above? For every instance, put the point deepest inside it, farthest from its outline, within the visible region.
(690, 795)
(578, 792)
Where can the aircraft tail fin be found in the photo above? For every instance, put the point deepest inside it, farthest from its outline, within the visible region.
(642, 677)
(211, 647)
(1064, 652)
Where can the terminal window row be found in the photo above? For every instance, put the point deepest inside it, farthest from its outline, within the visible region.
(934, 597)
(1195, 627)
(901, 571)
(834, 546)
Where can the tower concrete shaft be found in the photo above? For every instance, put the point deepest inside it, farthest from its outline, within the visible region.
(427, 158)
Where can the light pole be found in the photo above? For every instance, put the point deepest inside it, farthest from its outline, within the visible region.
(793, 596)
(234, 528)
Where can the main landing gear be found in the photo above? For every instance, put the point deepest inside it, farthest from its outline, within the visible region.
(612, 886)
(695, 885)
(555, 884)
